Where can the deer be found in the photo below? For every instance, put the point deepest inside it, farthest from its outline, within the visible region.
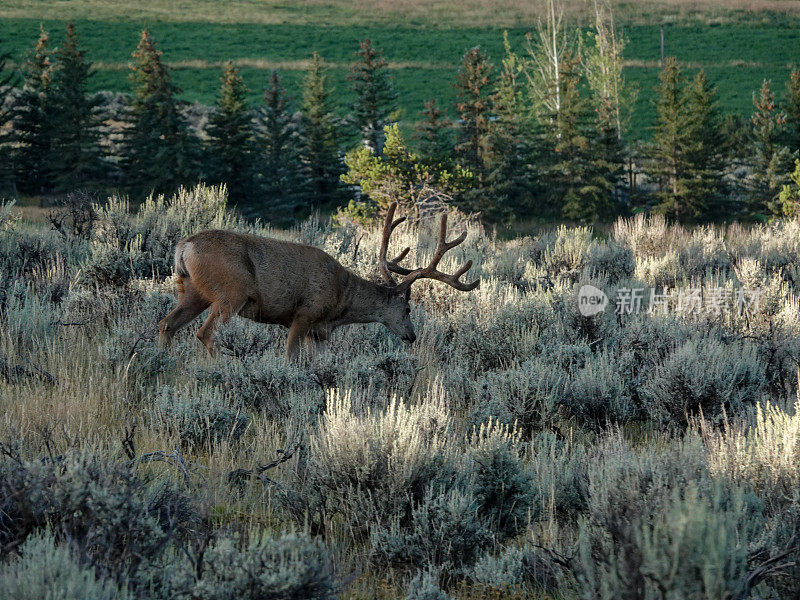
(296, 286)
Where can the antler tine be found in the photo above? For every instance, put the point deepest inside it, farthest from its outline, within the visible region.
(388, 227)
(430, 272)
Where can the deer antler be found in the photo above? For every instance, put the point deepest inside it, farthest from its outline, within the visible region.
(429, 272)
(385, 265)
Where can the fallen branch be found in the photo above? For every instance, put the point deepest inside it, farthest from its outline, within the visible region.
(241, 475)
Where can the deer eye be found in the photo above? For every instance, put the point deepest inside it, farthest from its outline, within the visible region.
(408, 310)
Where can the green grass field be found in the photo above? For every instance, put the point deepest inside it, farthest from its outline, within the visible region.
(738, 52)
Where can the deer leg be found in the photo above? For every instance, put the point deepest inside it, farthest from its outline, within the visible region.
(298, 330)
(190, 305)
(221, 312)
(206, 332)
(317, 341)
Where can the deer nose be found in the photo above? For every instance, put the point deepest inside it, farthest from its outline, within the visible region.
(411, 337)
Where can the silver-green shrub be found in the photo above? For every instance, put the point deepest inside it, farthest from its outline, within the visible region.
(289, 567)
(202, 416)
(704, 375)
(528, 395)
(49, 571)
(515, 567)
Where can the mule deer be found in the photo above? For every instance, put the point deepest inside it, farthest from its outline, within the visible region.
(294, 285)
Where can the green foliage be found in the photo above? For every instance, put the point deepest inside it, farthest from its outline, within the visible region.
(319, 137)
(687, 152)
(789, 197)
(32, 120)
(400, 175)
(371, 83)
(279, 161)
(230, 146)
(772, 161)
(76, 149)
(159, 154)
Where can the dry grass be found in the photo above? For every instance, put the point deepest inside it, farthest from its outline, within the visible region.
(499, 13)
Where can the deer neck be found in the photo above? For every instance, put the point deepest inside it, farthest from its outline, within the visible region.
(362, 301)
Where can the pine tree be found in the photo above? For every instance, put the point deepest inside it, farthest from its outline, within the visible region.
(76, 138)
(280, 160)
(33, 121)
(474, 104)
(230, 145)
(7, 80)
(431, 134)
(375, 95)
(704, 195)
(159, 153)
(668, 163)
(576, 183)
(792, 111)
(321, 163)
(772, 160)
(511, 177)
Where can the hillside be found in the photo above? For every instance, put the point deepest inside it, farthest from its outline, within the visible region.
(422, 41)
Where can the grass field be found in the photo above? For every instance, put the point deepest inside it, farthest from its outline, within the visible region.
(520, 448)
(738, 51)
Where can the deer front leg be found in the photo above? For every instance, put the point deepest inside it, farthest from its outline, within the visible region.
(190, 306)
(298, 330)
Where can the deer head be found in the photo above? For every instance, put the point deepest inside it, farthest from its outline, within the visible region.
(397, 312)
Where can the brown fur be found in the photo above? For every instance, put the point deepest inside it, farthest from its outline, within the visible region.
(272, 281)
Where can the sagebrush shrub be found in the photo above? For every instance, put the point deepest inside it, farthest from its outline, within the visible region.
(375, 466)
(425, 586)
(203, 416)
(447, 532)
(517, 566)
(49, 571)
(600, 392)
(289, 567)
(528, 395)
(101, 507)
(499, 480)
(704, 375)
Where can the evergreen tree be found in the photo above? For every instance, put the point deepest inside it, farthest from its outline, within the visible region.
(511, 177)
(280, 158)
(375, 95)
(431, 134)
(76, 157)
(576, 183)
(668, 163)
(474, 104)
(33, 121)
(230, 144)
(704, 194)
(792, 111)
(772, 160)
(7, 80)
(158, 151)
(321, 163)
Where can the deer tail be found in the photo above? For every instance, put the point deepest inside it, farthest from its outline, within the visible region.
(180, 264)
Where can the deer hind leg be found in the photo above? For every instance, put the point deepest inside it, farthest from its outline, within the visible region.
(317, 342)
(298, 330)
(221, 312)
(191, 304)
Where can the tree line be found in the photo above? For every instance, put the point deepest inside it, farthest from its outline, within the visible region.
(543, 133)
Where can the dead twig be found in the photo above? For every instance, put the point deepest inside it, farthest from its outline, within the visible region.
(239, 476)
(174, 458)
